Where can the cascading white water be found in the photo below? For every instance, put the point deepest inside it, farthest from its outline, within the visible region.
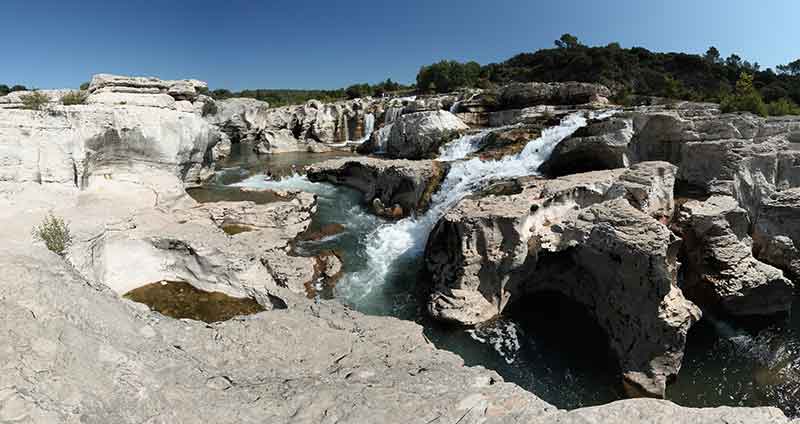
(392, 113)
(381, 137)
(369, 126)
(454, 106)
(406, 238)
(466, 145)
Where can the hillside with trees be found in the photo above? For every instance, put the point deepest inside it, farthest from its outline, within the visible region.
(628, 71)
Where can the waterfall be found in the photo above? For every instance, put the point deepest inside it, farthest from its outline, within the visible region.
(467, 144)
(382, 137)
(454, 106)
(392, 113)
(406, 238)
(369, 126)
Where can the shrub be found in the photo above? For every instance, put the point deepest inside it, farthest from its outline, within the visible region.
(54, 232)
(34, 101)
(745, 98)
(74, 98)
(783, 107)
(209, 108)
(85, 86)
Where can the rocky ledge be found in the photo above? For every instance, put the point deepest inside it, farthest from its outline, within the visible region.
(393, 188)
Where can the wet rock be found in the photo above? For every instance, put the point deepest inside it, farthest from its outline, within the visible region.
(419, 135)
(505, 142)
(401, 186)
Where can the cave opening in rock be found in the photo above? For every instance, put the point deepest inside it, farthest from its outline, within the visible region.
(547, 344)
(558, 322)
(179, 299)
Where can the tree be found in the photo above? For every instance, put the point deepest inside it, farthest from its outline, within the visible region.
(567, 41)
(712, 55)
(4, 89)
(791, 68)
(734, 61)
(19, 88)
(745, 98)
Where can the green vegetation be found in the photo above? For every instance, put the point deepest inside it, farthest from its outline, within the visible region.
(74, 98)
(448, 75)
(630, 72)
(34, 101)
(745, 98)
(55, 234)
(4, 89)
(281, 97)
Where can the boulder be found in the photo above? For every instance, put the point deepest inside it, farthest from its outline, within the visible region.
(579, 236)
(597, 146)
(720, 270)
(386, 184)
(419, 135)
(776, 235)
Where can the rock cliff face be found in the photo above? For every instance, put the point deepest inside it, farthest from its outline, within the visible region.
(581, 236)
(105, 142)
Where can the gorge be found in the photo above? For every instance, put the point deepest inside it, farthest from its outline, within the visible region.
(525, 253)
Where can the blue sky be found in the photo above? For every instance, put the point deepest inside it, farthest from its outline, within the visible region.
(326, 44)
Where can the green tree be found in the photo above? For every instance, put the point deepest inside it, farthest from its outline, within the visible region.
(712, 55)
(4, 89)
(567, 41)
(745, 99)
(791, 68)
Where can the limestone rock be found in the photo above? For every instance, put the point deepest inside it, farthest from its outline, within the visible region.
(777, 232)
(721, 269)
(419, 135)
(408, 184)
(579, 236)
(100, 144)
(599, 145)
(522, 95)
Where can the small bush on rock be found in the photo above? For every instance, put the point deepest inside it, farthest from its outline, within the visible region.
(783, 107)
(55, 234)
(209, 108)
(74, 98)
(34, 101)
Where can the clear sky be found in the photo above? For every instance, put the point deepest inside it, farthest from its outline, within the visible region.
(333, 43)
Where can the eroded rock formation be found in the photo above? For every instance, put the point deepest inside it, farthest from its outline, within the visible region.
(386, 184)
(592, 237)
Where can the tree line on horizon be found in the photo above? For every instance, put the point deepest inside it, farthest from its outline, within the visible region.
(735, 83)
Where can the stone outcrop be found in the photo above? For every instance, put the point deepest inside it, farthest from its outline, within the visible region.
(591, 237)
(523, 95)
(393, 188)
(777, 232)
(597, 146)
(720, 268)
(104, 144)
(419, 135)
